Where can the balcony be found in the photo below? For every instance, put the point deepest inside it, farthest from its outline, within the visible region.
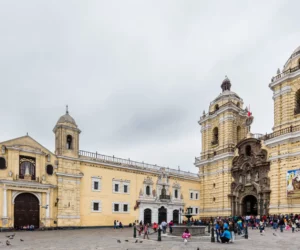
(27, 178)
(285, 73)
(164, 197)
(280, 132)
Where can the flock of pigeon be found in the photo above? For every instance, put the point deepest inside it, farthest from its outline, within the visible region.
(11, 237)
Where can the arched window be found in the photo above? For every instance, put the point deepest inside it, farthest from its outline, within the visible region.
(69, 142)
(297, 102)
(2, 163)
(216, 107)
(215, 136)
(248, 150)
(27, 167)
(238, 134)
(147, 190)
(176, 193)
(238, 104)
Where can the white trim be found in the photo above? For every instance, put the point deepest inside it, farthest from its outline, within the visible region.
(96, 180)
(282, 91)
(204, 128)
(226, 118)
(99, 206)
(26, 150)
(121, 207)
(145, 170)
(213, 159)
(68, 217)
(284, 78)
(70, 175)
(194, 192)
(282, 139)
(285, 206)
(16, 193)
(225, 170)
(284, 156)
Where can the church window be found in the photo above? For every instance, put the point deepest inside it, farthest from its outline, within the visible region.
(125, 207)
(116, 187)
(238, 104)
(215, 136)
(216, 107)
(96, 206)
(2, 163)
(297, 101)
(238, 133)
(27, 167)
(248, 150)
(49, 169)
(176, 193)
(196, 196)
(191, 195)
(69, 142)
(147, 190)
(96, 183)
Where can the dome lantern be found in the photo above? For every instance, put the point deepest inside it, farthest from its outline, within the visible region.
(226, 84)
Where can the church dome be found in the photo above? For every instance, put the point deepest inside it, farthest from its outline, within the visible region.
(293, 60)
(66, 118)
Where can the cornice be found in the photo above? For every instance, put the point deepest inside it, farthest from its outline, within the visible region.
(69, 175)
(282, 91)
(145, 170)
(214, 159)
(29, 184)
(284, 156)
(282, 139)
(284, 78)
(26, 150)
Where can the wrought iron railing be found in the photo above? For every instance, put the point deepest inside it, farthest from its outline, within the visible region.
(281, 132)
(127, 162)
(164, 197)
(286, 72)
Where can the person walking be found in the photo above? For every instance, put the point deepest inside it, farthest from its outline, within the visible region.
(146, 230)
(231, 230)
(115, 224)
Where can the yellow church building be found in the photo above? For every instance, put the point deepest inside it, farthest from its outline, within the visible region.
(238, 172)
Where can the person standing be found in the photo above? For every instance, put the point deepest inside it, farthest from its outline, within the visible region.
(231, 230)
(146, 230)
(171, 226)
(115, 224)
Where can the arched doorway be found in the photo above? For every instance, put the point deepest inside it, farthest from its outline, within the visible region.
(162, 215)
(26, 210)
(147, 216)
(250, 205)
(176, 216)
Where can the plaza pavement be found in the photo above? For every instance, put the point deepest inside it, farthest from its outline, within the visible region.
(108, 239)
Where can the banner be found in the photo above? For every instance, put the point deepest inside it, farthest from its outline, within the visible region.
(293, 183)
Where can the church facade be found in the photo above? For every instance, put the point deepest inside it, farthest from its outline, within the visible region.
(238, 172)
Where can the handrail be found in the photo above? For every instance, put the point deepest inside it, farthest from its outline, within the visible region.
(286, 72)
(142, 165)
(281, 132)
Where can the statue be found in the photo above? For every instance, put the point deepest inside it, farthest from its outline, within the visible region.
(10, 173)
(163, 191)
(248, 177)
(256, 176)
(141, 192)
(154, 193)
(241, 179)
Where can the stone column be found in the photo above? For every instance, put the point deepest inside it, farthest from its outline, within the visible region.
(4, 205)
(48, 203)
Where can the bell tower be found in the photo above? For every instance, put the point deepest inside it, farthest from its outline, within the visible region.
(222, 127)
(66, 136)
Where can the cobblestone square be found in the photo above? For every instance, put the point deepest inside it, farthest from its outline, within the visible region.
(108, 239)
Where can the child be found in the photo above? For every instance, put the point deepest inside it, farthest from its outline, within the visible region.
(186, 235)
(293, 226)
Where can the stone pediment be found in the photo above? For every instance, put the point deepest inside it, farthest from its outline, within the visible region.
(27, 144)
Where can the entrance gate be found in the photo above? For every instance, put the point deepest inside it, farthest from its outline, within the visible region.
(147, 216)
(26, 210)
(162, 215)
(250, 205)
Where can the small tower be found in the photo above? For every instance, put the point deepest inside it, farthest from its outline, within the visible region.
(66, 136)
(222, 128)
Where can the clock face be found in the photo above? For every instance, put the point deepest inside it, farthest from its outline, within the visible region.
(249, 120)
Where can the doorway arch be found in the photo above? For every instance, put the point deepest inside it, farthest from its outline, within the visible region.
(147, 216)
(26, 210)
(176, 216)
(162, 214)
(250, 205)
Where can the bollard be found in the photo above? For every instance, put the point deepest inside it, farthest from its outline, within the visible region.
(159, 234)
(212, 234)
(246, 232)
(208, 228)
(134, 231)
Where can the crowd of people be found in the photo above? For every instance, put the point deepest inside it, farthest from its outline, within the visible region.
(225, 228)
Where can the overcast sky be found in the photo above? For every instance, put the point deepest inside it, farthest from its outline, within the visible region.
(137, 75)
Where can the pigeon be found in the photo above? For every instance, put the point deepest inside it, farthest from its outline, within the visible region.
(7, 243)
(198, 248)
(141, 241)
(136, 241)
(118, 241)
(21, 240)
(274, 234)
(126, 240)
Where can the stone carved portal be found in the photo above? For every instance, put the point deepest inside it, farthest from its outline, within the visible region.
(250, 190)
